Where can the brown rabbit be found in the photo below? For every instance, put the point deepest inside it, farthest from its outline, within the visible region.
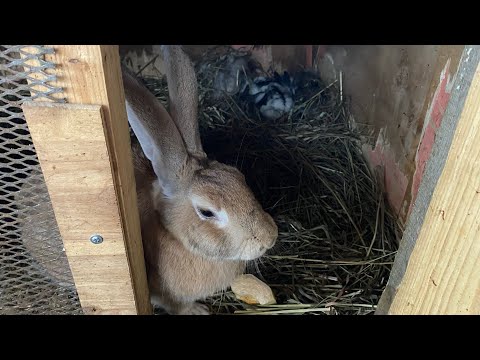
(200, 221)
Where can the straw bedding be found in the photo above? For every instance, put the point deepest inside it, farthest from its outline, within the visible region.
(337, 236)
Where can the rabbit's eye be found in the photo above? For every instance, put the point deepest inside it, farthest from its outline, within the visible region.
(206, 213)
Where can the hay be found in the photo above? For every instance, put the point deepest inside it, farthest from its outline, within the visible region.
(337, 237)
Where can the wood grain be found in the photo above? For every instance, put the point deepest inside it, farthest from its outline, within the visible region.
(91, 74)
(442, 275)
(75, 164)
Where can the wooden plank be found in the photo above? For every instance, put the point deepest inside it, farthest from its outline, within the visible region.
(468, 63)
(442, 275)
(76, 167)
(91, 74)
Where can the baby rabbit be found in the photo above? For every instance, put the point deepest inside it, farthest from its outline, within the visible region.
(200, 221)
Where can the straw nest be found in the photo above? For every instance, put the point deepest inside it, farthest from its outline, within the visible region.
(337, 237)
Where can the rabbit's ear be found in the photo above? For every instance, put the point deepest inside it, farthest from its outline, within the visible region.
(183, 96)
(157, 134)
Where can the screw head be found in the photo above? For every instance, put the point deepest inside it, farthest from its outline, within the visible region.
(96, 239)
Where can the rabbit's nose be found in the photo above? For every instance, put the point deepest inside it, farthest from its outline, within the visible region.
(269, 245)
(273, 240)
(273, 235)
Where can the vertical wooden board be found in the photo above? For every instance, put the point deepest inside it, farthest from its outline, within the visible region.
(442, 275)
(73, 154)
(91, 74)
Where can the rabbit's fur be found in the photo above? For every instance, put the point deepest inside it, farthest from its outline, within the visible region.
(200, 221)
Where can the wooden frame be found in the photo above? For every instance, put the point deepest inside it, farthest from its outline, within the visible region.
(96, 195)
(436, 268)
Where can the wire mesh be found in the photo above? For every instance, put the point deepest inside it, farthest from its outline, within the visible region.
(35, 277)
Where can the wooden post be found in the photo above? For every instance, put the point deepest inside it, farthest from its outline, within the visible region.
(91, 75)
(442, 275)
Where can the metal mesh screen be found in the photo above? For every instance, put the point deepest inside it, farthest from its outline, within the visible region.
(35, 277)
